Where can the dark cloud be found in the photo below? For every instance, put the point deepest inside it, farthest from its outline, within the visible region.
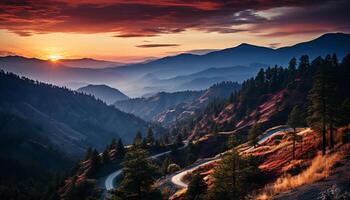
(136, 18)
(194, 51)
(157, 45)
(274, 45)
(330, 16)
(7, 53)
(134, 35)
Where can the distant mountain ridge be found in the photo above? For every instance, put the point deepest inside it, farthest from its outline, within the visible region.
(167, 108)
(204, 79)
(128, 78)
(147, 108)
(89, 63)
(105, 93)
(245, 54)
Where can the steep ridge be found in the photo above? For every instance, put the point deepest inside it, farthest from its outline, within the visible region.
(69, 119)
(148, 108)
(266, 99)
(286, 161)
(167, 108)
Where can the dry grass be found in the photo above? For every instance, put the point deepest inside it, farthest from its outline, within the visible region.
(319, 169)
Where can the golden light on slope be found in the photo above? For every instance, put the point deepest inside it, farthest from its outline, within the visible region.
(54, 57)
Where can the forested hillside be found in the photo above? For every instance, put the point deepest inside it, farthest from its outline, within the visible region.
(70, 120)
(270, 96)
(30, 165)
(148, 108)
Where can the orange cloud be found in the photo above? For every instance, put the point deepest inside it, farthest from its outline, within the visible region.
(150, 18)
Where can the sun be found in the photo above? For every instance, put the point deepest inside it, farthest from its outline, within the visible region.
(54, 57)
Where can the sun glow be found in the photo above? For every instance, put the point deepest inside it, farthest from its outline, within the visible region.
(54, 57)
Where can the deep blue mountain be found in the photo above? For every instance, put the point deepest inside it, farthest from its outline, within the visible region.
(243, 54)
(131, 78)
(107, 94)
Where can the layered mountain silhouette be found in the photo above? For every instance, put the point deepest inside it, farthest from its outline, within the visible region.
(129, 78)
(107, 94)
(147, 108)
(89, 63)
(167, 108)
(244, 54)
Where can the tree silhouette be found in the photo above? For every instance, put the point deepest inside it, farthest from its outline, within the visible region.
(253, 134)
(294, 121)
(139, 175)
(196, 188)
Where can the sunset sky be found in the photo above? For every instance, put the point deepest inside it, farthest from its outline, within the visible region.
(136, 30)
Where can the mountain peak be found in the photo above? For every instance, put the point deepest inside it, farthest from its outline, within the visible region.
(336, 34)
(246, 45)
(104, 92)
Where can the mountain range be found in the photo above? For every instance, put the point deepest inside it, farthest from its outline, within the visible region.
(167, 70)
(88, 63)
(168, 108)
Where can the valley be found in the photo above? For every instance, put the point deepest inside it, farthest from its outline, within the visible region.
(246, 122)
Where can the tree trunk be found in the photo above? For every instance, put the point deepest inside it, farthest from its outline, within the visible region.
(139, 193)
(233, 178)
(324, 142)
(331, 137)
(294, 138)
(324, 139)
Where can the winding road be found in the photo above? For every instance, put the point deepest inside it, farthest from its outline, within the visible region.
(109, 183)
(177, 178)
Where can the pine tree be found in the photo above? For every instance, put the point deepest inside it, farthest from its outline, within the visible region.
(94, 162)
(138, 139)
(88, 153)
(179, 140)
(304, 64)
(196, 188)
(166, 139)
(105, 156)
(321, 97)
(233, 177)
(164, 169)
(291, 71)
(120, 149)
(231, 98)
(333, 113)
(150, 137)
(139, 175)
(294, 121)
(345, 119)
(253, 134)
(113, 144)
(292, 64)
(232, 142)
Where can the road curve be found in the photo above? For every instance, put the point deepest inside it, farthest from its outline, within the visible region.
(109, 182)
(110, 179)
(177, 179)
